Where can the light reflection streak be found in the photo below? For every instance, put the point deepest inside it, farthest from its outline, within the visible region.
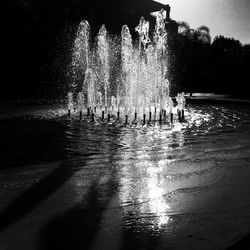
(145, 159)
(148, 193)
(157, 204)
(144, 174)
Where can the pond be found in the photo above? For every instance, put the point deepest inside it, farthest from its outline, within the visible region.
(66, 184)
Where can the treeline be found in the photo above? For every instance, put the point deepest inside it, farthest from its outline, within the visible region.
(198, 64)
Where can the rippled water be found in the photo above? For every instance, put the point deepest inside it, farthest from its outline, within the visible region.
(49, 134)
(157, 180)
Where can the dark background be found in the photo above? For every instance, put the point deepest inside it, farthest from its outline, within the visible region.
(38, 37)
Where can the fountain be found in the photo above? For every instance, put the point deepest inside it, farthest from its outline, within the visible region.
(139, 91)
(99, 184)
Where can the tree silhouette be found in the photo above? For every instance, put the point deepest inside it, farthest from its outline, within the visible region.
(201, 34)
(193, 39)
(183, 28)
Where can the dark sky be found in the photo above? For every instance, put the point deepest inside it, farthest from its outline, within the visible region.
(230, 18)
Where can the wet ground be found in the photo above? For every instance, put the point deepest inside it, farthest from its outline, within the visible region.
(66, 184)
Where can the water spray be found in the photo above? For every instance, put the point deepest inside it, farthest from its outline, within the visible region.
(141, 74)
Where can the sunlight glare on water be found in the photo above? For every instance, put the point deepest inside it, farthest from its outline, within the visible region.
(154, 172)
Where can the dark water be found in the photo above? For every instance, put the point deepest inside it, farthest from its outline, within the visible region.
(40, 138)
(139, 187)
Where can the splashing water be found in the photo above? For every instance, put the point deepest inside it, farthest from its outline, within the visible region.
(80, 58)
(103, 54)
(134, 80)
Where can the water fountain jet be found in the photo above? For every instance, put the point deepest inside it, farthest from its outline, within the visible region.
(139, 82)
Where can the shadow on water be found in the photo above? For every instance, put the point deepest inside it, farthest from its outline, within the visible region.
(78, 227)
(31, 141)
(77, 150)
(31, 198)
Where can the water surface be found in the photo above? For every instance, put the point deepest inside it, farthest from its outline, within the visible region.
(67, 184)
